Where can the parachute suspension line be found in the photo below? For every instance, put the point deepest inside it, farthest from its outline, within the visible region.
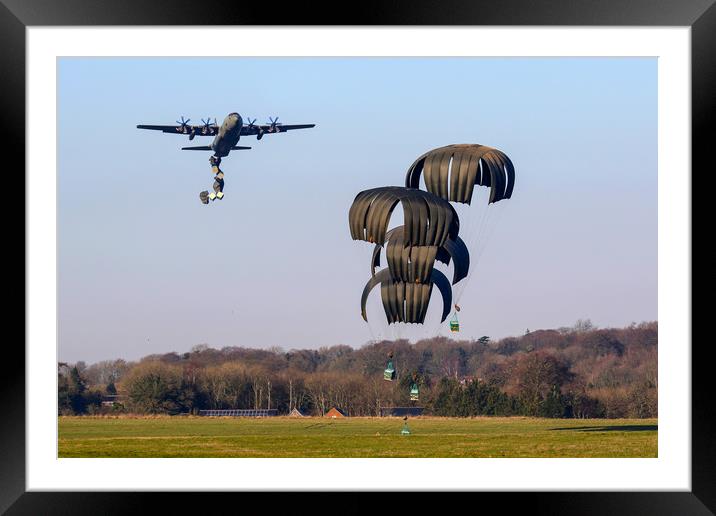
(478, 244)
(372, 333)
(425, 332)
(475, 223)
(492, 222)
(478, 236)
(393, 331)
(490, 231)
(437, 329)
(376, 329)
(473, 240)
(484, 219)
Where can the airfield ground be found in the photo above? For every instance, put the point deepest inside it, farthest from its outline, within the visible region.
(355, 437)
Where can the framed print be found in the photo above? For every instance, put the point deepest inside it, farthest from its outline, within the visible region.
(562, 87)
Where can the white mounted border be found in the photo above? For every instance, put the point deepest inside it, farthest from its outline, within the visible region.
(670, 471)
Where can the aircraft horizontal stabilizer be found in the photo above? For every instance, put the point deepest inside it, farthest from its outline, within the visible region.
(200, 147)
(240, 148)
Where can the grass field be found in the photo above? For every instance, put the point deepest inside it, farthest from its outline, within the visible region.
(355, 437)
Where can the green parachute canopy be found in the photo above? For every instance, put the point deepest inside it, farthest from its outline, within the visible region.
(451, 172)
(407, 302)
(428, 219)
(430, 227)
(414, 264)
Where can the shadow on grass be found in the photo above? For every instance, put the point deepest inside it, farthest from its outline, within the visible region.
(616, 428)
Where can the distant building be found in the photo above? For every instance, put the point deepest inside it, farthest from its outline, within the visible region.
(335, 412)
(239, 413)
(110, 400)
(401, 411)
(296, 413)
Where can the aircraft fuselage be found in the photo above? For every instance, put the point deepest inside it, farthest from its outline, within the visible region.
(228, 135)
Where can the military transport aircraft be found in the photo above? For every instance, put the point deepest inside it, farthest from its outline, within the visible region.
(225, 136)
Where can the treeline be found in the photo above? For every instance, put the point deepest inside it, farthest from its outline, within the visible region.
(580, 372)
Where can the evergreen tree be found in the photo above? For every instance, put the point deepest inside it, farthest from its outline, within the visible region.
(76, 391)
(64, 405)
(553, 405)
(111, 389)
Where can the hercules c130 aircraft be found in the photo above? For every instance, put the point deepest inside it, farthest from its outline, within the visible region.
(227, 135)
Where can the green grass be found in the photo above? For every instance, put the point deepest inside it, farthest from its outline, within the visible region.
(355, 437)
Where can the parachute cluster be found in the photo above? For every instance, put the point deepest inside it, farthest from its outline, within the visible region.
(430, 227)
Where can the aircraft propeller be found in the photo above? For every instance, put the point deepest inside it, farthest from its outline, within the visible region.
(207, 127)
(260, 132)
(274, 122)
(183, 124)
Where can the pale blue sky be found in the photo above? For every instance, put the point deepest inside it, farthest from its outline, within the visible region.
(144, 267)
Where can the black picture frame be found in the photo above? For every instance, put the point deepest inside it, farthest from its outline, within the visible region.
(16, 15)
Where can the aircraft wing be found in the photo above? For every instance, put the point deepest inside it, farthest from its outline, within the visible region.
(197, 130)
(198, 147)
(208, 147)
(252, 130)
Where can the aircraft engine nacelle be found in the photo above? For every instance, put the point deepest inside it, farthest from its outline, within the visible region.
(260, 135)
